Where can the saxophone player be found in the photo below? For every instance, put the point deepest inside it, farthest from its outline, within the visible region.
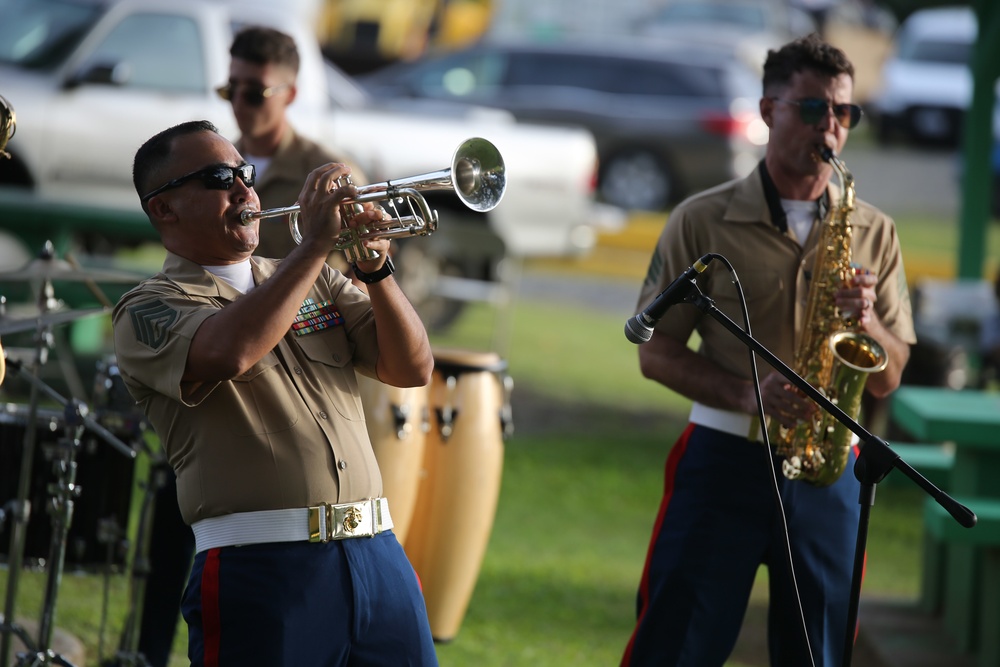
(718, 520)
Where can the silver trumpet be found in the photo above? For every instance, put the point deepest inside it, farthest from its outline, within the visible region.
(476, 175)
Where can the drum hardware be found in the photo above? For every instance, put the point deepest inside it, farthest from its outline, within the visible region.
(401, 420)
(65, 491)
(447, 413)
(63, 494)
(41, 321)
(506, 412)
(48, 268)
(128, 654)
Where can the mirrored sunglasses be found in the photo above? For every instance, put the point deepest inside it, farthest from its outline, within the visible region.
(252, 95)
(216, 177)
(812, 110)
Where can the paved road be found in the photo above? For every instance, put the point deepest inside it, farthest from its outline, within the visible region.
(903, 180)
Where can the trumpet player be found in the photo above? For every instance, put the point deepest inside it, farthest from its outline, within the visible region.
(262, 85)
(245, 367)
(718, 520)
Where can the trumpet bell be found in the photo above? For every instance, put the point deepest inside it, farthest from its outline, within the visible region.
(478, 174)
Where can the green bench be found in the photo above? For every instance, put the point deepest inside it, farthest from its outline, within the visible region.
(957, 587)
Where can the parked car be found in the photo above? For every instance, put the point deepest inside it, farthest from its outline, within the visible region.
(90, 80)
(668, 121)
(926, 84)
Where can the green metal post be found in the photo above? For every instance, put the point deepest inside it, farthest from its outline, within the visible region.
(978, 142)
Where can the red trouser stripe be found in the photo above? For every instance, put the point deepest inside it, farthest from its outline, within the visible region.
(676, 453)
(211, 622)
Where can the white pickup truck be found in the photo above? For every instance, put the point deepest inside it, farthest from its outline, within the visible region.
(90, 80)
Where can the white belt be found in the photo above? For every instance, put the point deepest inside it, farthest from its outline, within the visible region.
(727, 421)
(734, 423)
(321, 523)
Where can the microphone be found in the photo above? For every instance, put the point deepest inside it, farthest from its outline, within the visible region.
(639, 329)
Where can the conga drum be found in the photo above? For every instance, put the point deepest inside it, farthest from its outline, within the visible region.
(460, 486)
(398, 422)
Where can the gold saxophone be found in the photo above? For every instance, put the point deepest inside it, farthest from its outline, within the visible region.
(831, 356)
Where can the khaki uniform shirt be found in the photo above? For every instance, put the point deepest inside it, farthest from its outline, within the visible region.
(734, 220)
(279, 186)
(290, 432)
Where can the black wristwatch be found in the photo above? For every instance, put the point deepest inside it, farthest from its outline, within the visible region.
(368, 278)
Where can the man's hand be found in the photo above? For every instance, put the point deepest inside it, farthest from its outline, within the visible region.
(784, 401)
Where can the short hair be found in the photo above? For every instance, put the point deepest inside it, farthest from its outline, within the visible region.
(263, 46)
(152, 155)
(805, 53)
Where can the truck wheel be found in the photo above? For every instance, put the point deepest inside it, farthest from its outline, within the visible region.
(636, 180)
(417, 272)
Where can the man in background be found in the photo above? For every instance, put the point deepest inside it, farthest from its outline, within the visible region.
(261, 87)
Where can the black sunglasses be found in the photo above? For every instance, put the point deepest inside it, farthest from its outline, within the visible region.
(812, 110)
(216, 177)
(252, 95)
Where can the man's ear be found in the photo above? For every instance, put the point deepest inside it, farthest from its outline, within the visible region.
(767, 110)
(293, 90)
(160, 211)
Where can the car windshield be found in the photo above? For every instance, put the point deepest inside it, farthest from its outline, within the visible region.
(39, 34)
(952, 52)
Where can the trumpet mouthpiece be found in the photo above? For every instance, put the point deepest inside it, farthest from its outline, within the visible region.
(247, 216)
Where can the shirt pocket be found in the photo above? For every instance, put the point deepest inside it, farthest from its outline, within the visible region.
(266, 408)
(332, 368)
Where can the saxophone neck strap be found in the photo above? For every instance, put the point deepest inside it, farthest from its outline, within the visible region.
(773, 199)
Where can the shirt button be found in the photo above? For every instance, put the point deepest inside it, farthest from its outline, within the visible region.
(297, 370)
(322, 415)
(336, 358)
(342, 464)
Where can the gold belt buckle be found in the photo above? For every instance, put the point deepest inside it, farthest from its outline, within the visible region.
(333, 522)
(352, 518)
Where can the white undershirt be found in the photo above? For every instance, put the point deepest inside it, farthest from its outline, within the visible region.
(800, 216)
(238, 275)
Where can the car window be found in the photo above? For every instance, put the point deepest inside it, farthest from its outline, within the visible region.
(40, 34)
(668, 80)
(952, 52)
(477, 74)
(161, 51)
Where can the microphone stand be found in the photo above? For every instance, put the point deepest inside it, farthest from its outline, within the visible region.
(875, 460)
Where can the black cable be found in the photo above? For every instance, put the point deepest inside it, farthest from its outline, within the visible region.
(767, 450)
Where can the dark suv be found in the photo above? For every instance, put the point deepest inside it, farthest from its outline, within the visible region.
(668, 121)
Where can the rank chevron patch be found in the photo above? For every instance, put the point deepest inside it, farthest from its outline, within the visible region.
(151, 321)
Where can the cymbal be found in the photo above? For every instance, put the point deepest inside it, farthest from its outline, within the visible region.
(60, 269)
(10, 326)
